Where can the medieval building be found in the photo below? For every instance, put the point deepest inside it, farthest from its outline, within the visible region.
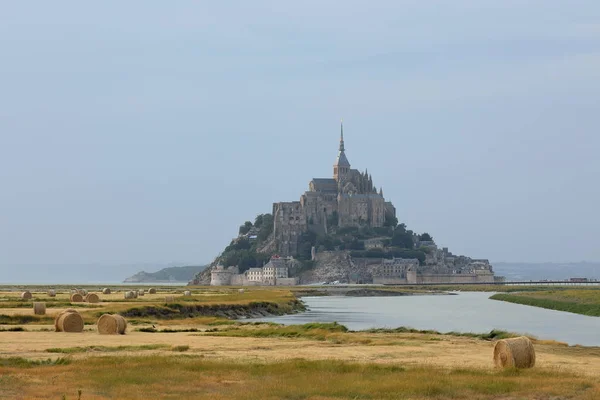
(349, 198)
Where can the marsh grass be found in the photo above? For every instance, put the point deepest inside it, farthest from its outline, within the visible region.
(167, 330)
(332, 332)
(578, 301)
(178, 377)
(106, 349)
(23, 319)
(13, 329)
(19, 362)
(494, 334)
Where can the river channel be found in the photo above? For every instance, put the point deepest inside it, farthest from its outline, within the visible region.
(463, 312)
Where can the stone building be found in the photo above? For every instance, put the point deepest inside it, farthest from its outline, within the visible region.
(349, 198)
(273, 273)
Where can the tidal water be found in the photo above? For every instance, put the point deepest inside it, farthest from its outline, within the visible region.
(463, 312)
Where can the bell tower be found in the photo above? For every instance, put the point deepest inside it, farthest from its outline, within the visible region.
(341, 168)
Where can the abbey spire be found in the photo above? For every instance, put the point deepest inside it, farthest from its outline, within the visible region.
(341, 168)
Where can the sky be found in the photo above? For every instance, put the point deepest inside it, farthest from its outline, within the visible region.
(148, 131)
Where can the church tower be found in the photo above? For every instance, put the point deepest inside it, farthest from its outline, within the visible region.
(341, 168)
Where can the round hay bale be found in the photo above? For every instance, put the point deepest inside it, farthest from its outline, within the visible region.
(111, 324)
(92, 298)
(39, 308)
(106, 291)
(26, 295)
(135, 294)
(514, 353)
(121, 324)
(151, 291)
(240, 290)
(141, 293)
(187, 293)
(52, 293)
(82, 292)
(68, 310)
(69, 322)
(76, 298)
(169, 299)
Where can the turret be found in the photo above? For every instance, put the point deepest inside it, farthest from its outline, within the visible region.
(341, 168)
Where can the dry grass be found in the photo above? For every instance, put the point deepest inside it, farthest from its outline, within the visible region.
(315, 361)
(178, 377)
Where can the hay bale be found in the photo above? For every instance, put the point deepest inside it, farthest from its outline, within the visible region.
(514, 353)
(141, 292)
(69, 322)
(92, 298)
(52, 293)
(82, 292)
(151, 291)
(187, 293)
(121, 323)
(106, 291)
(169, 299)
(68, 310)
(26, 295)
(135, 294)
(76, 298)
(240, 290)
(111, 324)
(128, 295)
(39, 308)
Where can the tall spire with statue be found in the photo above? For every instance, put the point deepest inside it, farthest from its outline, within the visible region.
(342, 166)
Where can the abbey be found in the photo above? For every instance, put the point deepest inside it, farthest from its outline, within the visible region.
(347, 199)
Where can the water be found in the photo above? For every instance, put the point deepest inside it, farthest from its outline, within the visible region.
(464, 312)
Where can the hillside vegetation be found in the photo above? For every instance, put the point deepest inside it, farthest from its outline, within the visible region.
(252, 247)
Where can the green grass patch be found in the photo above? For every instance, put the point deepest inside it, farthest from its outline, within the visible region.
(23, 319)
(180, 348)
(494, 334)
(554, 301)
(106, 349)
(20, 362)
(314, 331)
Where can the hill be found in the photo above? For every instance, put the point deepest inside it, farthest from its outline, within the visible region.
(170, 274)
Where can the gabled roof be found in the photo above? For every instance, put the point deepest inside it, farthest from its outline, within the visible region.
(324, 185)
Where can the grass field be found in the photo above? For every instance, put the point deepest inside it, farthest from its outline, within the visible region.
(584, 301)
(188, 377)
(174, 351)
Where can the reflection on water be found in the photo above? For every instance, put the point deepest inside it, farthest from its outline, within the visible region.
(465, 312)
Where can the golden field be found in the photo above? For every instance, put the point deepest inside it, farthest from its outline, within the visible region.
(215, 358)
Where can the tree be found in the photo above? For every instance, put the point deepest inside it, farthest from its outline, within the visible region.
(245, 228)
(390, 220)
(402, 239)
(258, 221)
(266, 227)
(425, 237)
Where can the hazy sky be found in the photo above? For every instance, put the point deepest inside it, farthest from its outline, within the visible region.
(147, 131)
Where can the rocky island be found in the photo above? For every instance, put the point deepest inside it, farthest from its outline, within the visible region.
(341, 230)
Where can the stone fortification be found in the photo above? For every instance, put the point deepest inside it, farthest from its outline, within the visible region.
(354, 236)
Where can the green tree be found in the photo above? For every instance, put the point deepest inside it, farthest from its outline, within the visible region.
(245, 228)
(390, 220)
(425, 237)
